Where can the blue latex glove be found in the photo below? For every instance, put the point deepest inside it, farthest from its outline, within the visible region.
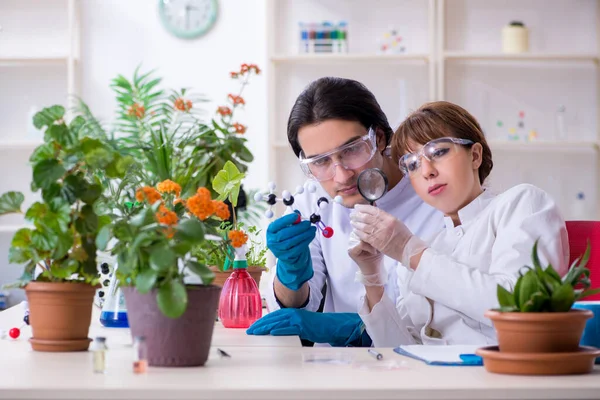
(289, 244)
(337, 329)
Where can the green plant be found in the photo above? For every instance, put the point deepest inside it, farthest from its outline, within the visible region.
(72, 211)
(153, 241)
(543, 290)
(167, 135)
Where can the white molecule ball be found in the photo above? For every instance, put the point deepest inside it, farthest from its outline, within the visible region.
(338, 199)
(323, 205)
(269, 214)
(311, 187)
(258, 196)
(272, 186)
(299, 189)
(286, 195)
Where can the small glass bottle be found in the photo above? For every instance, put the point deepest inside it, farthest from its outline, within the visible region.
(140, 355)
(99, 348)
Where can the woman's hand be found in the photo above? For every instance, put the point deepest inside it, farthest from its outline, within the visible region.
(369, 261)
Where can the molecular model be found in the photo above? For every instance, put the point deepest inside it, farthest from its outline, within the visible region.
(15, 332)
(288, 200)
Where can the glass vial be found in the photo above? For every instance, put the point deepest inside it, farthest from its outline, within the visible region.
(99, 348)
(140, 355)
(560, 127)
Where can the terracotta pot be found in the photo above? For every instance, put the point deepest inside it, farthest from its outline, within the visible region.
(60, 315)
(179, 342)
(545, 332)
(221, 277)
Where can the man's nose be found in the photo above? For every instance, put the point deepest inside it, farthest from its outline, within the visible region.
(342, 174)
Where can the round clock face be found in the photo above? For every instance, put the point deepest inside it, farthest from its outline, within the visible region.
(188, 19)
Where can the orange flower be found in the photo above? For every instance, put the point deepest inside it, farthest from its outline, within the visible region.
(236, 99)
(248, 68)
(201, 204)
(239, 128)
(169, 232)
(147, 193)
(168, 186)
(136, 110)
(166, 216)
(234, 75)
(238, 238)
(221, 210)
(224, 110)
(182, 105)
(245, 68)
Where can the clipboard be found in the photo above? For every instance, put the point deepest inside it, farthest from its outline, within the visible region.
(443, 355)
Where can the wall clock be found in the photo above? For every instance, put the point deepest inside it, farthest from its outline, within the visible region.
(188, 19)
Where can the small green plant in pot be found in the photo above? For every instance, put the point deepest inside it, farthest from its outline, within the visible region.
(59, 250)
(219, 255)
(152, 240)
(537, 316)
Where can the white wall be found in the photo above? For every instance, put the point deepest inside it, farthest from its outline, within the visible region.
(118, 35)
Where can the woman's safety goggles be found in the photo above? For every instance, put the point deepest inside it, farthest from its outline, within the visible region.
(350, 156)
(434, 151)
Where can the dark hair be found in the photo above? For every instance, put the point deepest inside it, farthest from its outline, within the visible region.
(441, 119)
(336, 98)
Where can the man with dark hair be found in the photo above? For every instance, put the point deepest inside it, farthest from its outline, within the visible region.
(337, 130)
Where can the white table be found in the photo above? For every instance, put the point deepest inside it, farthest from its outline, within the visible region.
(265, 368)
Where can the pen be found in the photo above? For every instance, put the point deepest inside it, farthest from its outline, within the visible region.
(375, 354)
(223, 353)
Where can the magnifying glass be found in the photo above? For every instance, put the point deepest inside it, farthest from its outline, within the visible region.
(372, 184)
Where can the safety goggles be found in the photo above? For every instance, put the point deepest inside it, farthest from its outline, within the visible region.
(350, 156)
(437, 150)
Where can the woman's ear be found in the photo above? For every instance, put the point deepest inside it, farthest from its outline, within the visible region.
(476, 155)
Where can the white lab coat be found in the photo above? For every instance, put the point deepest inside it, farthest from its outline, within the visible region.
(444, 300)
(330, 259)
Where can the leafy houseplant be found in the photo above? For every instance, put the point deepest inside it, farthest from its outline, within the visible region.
(152, 241)
(166, 132)
(66, 224)
(537, 316)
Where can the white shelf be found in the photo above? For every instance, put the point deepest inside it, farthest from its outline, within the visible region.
(42, 60)
(12, 228)
(460, 55)
(19, 144)
(566, 146)
(348, 57)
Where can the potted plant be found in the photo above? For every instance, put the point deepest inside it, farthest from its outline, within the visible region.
(152, 240)
(219, 255)
(59, 249)
(537, 316)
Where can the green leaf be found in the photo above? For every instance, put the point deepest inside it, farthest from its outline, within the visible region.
(529, 286)
(18, 255)
(87, 221)
(22, 238)
(202, 271)
(76, 125)
(586, 255)
(56, 190)
(48, 116)
(587, 293)
(505, 298)
(61, 134)
(44, 241)
(10, 202)
(90, 268)
(63, 245)
(535, 303)
(91, 193)
(551, 272)
(172, 299)
(46, 172)
(227, 182)
(190, 230)
(64, 269)
(42, 152)
(162, 258)
(145, 280)
(37, 211)
(562, 299)
(103, 237)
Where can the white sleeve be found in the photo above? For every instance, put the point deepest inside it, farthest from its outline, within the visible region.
(387, 325)
(518, 223)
